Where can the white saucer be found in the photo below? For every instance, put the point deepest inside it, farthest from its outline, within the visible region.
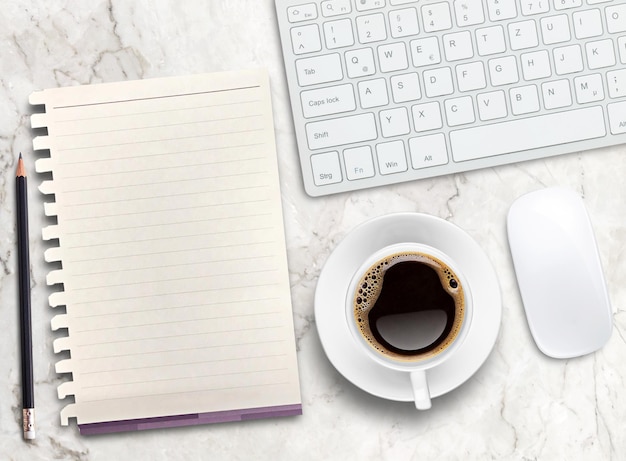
(335, 277)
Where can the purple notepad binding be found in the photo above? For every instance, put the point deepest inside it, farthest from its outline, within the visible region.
(190, 420)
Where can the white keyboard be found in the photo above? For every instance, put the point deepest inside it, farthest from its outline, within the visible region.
(385, 91)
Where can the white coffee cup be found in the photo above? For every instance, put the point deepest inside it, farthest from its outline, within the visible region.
(429, 325)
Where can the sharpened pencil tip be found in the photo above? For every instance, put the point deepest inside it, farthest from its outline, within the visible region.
(21, 170)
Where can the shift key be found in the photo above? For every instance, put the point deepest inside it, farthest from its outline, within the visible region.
(340, 131)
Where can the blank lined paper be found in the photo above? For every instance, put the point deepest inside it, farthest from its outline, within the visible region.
(170, 236)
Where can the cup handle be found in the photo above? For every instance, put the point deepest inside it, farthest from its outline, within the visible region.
(420, 390)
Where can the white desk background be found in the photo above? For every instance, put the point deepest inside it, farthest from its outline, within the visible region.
(520, 405)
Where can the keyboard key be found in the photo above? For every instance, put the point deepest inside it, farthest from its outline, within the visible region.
(568, 59)
(556, 94)
(523, 35)
(535, 65)
(513, 136)
(402, 2)
(616, 18)
(405, 87)
(426, 116)
(469, 12)
(617, 117)
(360, 63)
(555, 29)
(320, 69)
(306, 39)
(394, 122)
(366, 5)
(391, 157)
(326, 168)
(392, 57)
(427, 151)
(524, 100)
(471, 76)
(503, 71)
(338, 34)
(332, 8)
(589, 88)
(403, 23)
(438, 82)
(359, 163)
(459, 111)
(436, 17)
(326, 101)
(617, 83)
(302, 12)
(490, 40)
(621, 45)
(500, 10)
(600, 54)
(371, 28)
(531, 7)
(491, 105)
(373, 93)
(566, 4)
(340, 131)
(587, 23)
(458, 46)
(425, 51)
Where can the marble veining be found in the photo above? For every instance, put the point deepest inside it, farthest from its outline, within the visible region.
(519, 406)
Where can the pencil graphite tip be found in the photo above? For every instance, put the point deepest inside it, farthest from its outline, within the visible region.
(21, 170)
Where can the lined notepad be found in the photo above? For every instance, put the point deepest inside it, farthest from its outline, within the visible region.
(170, 238)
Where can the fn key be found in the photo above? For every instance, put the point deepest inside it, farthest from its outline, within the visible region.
(326, 168)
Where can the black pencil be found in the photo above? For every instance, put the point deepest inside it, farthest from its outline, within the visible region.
(28, 394)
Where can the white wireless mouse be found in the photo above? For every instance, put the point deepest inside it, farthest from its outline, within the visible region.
(559, 273)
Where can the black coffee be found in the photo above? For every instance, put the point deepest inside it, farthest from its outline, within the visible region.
(409, 306)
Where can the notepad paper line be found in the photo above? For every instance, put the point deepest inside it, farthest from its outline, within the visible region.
(166, 125)
(153, 155)
(153, 98)
(173, 307)
(162, 111)
(177, 322)
(216, 247)
(174, 279)
(164, 224)
(174, 237)
(185, 166)
(188, 349)
(160, 140)
(87, 353)
(245, 304)
(235, 288)
(162, 183)
(185, 264)
(188, 194)
(203, 333)
(161, 380)
(205, 390)
(233, 359)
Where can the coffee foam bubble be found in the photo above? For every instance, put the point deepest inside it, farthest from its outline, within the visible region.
(370, 286)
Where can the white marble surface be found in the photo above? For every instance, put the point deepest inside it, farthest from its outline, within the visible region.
(520, 405)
